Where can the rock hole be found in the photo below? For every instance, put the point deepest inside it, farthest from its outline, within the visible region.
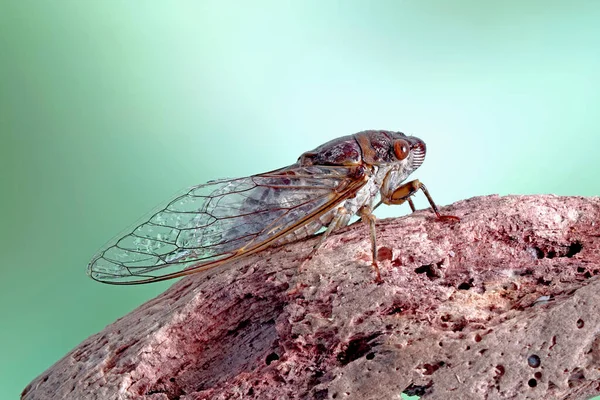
(171, 379)
(466, 285)
(417, 390)
(542, 281)
(576, 377)
(370, 356)
(574, 248)
(250, 392)
(235, 331)
(580, 323)
(428, 270)
(151, 392)
(431, 368)
(549, 252)
(538, 375)
(536, 252)
(532, 382)
(553, 343)
(500, 370)
(534, 361)
(321, 394)
(356, 348)
(527, 272)
(394, 309)
(271, 357)
(459, 325)
(478, 338)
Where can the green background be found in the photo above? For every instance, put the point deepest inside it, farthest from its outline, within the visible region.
(108, 108)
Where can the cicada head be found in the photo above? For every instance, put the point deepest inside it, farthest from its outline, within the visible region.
(394, 152)
(392, 149)
(409, 151)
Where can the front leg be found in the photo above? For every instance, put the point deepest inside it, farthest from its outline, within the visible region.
(404, 192)
(366, 215)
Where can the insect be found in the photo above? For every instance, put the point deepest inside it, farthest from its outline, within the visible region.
(223, 220)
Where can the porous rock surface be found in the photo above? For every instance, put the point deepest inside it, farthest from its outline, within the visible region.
(503, 305)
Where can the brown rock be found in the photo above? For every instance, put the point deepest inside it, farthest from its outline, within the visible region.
(503, 304)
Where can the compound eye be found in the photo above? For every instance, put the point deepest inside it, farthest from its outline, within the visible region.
(401, 149)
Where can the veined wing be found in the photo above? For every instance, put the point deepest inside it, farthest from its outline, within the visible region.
(223, 220)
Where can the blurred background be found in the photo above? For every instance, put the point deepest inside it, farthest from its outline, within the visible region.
(107, 108)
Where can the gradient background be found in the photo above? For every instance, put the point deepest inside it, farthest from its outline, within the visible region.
(108, 108)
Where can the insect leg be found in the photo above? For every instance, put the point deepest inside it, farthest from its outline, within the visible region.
(404, 192)
(411, 204)
(367, 216)
(340, 219)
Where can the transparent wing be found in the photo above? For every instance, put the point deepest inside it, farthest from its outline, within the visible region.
(222, 220)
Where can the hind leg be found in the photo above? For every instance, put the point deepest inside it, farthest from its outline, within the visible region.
(340, 219)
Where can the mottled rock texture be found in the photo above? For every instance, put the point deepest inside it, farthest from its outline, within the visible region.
(504, 304)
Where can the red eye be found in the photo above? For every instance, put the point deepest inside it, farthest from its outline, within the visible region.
(401, 149)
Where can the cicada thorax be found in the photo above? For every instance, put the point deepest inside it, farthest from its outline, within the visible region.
(343, 151)
(361, 152)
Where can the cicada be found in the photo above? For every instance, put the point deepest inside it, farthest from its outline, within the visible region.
(224, 220)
